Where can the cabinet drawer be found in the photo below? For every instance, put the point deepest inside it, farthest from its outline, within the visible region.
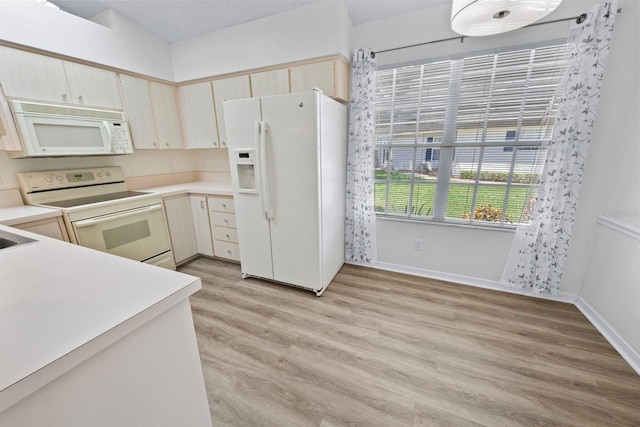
(223, 219)
(221, 204)
(227, 250)
(225, 234)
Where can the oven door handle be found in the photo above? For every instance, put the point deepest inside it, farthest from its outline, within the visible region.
(99, 220)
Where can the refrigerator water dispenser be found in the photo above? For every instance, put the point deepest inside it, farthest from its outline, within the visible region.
(245, 165)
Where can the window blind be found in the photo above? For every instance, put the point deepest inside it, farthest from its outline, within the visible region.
(464, 140)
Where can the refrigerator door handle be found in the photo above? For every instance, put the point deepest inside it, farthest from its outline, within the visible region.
(256, 135)
(264, 172)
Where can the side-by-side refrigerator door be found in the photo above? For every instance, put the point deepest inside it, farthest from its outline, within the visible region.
(292, 154)
(243, 124)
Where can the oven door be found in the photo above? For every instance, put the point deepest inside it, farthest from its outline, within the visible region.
(139, 234)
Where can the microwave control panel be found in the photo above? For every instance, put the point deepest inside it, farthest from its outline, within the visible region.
(120, 138)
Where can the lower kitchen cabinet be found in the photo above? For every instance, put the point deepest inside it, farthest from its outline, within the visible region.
(223, 222)
(201, 225)
(52, 227)
(181, 227)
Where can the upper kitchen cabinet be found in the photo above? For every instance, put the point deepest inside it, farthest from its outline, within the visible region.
(272, 82)
(199, 115)
(331, 76)
(152, 113)
(92, 86)
(137, 106)
(226, 89)
(42, 78)
(165, 113)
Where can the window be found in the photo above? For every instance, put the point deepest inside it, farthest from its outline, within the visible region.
(446, 132)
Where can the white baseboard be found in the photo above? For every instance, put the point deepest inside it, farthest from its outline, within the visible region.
(626, 351)
(470, 281)
(621, 346)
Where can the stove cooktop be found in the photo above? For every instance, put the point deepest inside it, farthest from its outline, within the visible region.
(95, 199)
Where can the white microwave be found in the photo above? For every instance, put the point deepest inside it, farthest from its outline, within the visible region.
(48, 130)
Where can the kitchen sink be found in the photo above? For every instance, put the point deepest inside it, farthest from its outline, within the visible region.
(10, 240)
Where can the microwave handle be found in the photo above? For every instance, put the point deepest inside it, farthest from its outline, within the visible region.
(95, 221)
(107, 129)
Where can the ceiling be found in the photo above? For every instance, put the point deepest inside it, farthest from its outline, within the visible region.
(176, 20)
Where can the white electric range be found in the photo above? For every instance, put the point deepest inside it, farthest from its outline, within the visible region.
(101, 213)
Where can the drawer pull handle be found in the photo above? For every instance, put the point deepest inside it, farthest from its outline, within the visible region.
(228, 237)
(226, 221)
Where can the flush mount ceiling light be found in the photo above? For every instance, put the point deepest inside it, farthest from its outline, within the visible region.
(487, 17)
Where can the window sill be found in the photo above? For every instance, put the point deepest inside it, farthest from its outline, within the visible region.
(489, 226)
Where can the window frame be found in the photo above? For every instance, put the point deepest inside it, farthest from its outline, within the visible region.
(449, 142)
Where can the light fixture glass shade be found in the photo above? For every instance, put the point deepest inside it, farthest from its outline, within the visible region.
(487, 17)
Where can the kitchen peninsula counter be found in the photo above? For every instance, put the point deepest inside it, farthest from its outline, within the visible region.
(90, 338)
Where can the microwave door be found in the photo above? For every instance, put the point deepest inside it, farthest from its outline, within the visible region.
(49, 136)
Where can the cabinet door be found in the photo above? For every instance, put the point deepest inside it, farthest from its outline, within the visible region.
(201, 225)
(274, 82)
(92, 86)
(332, 77)
(53, 227)
(32, 76)
(181, 227)
(165, 113)
(137, 106)
(230, 88)
(198, 115)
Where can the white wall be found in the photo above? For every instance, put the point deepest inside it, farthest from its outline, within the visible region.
(319, 29)
(464, 254)
(122, 45)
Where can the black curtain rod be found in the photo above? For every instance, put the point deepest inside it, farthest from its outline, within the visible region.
(579, 20)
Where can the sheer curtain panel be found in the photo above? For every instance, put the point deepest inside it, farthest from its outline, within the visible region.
(360, 225)
(539, 249)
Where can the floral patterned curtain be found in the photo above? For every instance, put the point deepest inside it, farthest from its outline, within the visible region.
(539, 249)
(360, 225)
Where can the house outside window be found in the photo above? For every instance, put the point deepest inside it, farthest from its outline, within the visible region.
(446, 132)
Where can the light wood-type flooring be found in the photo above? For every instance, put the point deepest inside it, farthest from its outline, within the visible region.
(386, 349)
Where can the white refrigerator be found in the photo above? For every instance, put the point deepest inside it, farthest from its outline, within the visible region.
(288, 169)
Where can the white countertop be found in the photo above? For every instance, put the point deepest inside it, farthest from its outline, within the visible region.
(198, 187)
(56, 297)
(13, 211)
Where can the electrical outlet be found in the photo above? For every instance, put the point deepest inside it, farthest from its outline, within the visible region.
(417, 245)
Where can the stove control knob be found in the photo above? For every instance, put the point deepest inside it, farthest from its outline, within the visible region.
(59, 178)
(48, 178)
(99, 174)
(108, 173)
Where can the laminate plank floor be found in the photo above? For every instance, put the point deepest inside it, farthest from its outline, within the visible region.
(387, 349)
